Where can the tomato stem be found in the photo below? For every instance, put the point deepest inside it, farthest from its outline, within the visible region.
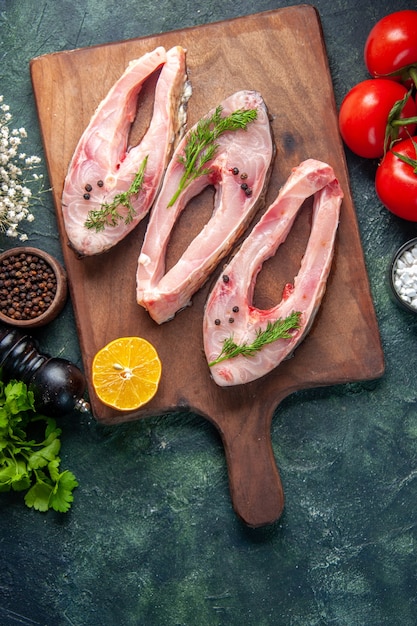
(412, 71)
(394, 120)
(407, 159)
(404, 121)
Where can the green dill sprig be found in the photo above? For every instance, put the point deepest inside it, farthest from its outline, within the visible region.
(201, 145)
(280, 329)
(108, 214)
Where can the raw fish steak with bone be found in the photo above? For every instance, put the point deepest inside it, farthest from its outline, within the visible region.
(111, 186)
(231, 148)
(243, 343)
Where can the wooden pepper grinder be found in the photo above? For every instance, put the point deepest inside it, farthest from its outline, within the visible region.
(57, 384)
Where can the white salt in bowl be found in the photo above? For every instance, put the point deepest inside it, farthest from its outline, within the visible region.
(403, 276)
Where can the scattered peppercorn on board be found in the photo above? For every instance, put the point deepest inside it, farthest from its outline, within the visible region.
(280, 53)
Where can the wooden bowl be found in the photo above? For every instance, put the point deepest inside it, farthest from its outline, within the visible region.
(33, 287)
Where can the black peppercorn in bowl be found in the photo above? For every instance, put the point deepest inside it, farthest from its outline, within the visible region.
(33, 287)
(402, 276)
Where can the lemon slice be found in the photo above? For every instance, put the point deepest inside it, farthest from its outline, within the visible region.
(126, 373)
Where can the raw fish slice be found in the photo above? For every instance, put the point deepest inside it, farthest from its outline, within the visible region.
(232, 294)
(104, 161)
(250, 151)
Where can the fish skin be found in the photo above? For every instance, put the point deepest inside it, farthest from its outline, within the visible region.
(102, 152)
(311, 177)
(251, 151)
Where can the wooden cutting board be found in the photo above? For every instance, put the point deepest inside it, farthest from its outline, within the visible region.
(281, 54)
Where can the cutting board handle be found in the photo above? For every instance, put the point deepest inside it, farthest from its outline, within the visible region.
(254, 480)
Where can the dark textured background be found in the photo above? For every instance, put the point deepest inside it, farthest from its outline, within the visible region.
(152, 538)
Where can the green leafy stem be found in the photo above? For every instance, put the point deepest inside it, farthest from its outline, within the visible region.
(108, 213)
(280, 329)
(30, 465)
(201, 145)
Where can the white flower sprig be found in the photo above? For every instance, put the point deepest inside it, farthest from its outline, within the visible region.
(15, 192)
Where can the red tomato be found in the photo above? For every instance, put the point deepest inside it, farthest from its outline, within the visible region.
(396, 181)
(392, 44)
(364, 113)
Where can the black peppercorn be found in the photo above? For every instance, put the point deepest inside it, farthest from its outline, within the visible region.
(225, 278)
(86, 196)
(88, 187)
(100, 183)
(27, 286)
(235, 309)
(217, 322)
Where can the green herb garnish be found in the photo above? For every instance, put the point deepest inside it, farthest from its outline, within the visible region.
(201, 145)
(108, 214)
(28, 462)
(280, 329)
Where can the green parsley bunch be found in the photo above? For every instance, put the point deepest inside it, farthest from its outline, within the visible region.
(29, 448)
